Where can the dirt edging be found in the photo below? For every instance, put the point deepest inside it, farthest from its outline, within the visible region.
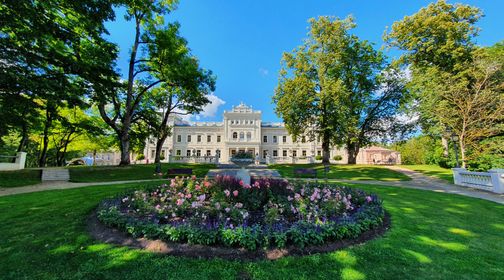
(114, 236)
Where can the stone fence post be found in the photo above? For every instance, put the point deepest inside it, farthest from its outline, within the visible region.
(497, 179)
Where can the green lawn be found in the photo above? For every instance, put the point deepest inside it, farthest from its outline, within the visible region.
(433, 170)
(132, 172)
(19, 178)
(347, 172)
(433, 236)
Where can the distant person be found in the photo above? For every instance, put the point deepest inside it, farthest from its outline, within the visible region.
(257, 159)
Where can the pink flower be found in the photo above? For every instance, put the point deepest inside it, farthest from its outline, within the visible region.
(197, 187)
(247, 186)
(297, 196)
(241, 183)
(257, 185)
(188, 196)
(235, 193)
(193, 177)
(180, 201)
(369, 199)
(181, 195)
(206, 184)
(227, 192)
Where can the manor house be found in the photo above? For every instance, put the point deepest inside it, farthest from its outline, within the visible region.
(243, 130)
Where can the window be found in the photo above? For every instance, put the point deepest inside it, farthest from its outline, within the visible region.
(153, 153)
(275, 153)
(188, 153)
(303, 139)
(294, 153)
(208, 152)
(199, 138)
(303, 153)
(233, 152)
(218, 138)
(188, 138)
(235, 135)
(217, 153)
(179, 152)
(265, 138)
(284, 139)
(319, 153)
(209, 138)
(198, 153)
(265, 153)
(179, 138)
(274, 139)
(284, 153)
(249, 136)
(242, 135)
(163, 153)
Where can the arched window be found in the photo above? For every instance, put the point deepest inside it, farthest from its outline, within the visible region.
(242, 135)
(235, 135)
(249, 136)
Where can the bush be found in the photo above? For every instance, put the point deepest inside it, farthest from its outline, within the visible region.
(267, 213)
(140, 157)
(318, 157)
(337, 157)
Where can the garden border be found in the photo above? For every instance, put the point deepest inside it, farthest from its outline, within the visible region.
(111, 235)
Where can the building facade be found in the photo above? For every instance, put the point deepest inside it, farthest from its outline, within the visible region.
(242, 129)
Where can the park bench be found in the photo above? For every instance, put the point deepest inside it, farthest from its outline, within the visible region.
(179, 171)
(306, 171)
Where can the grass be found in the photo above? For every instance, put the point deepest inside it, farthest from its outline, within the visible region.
(132, 172)
(19, 178)
(347, 172)
(433, 236)
(433, 171)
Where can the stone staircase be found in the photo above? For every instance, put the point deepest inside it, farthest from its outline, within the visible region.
(55, 174)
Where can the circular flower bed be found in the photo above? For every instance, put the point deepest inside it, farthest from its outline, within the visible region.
(268, 213)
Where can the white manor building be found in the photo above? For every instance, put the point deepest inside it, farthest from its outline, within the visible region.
(243, 130)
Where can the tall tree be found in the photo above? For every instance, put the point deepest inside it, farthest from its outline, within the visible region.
(51, 51)
(328, 88)
(456, 86)
(149, 67)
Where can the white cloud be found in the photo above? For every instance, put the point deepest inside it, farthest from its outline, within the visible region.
(210, 110)
(263, 71)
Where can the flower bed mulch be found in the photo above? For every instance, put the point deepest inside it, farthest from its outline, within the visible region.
(114, 236)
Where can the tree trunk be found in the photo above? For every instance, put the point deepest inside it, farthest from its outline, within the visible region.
(45, 141)
(159, 148)
(125, 145)
(444, 143)
(325, 149)
(24, 138)
(94, 157)
(353, 151)
(462, 152)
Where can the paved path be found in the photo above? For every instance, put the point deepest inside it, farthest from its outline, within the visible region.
(419, 181)
(60, 185)
(424, 182)
(254, 172)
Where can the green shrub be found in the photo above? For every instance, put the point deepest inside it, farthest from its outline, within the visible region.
(337, 157)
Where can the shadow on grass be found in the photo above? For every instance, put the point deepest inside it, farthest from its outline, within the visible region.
(43, 236)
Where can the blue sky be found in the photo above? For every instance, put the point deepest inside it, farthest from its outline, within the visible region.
(242, 41)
